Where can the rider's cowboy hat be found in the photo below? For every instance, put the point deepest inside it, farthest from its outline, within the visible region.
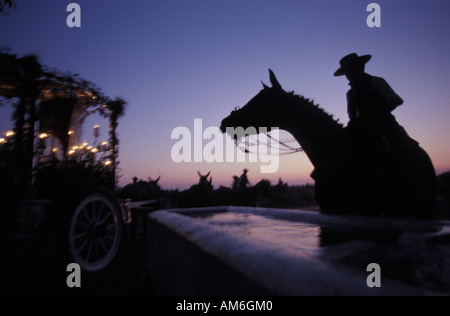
(350, 61)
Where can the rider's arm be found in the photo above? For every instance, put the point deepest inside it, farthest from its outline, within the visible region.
(390, 98)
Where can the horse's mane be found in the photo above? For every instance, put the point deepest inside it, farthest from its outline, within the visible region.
(315, 106)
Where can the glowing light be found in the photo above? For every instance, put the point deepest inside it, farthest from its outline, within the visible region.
(55, 149)
(2, 140)
(104, 143)
(89, 147)
(94, 150)
(84, 144)
(105, 105)
(75, 147)
(10, 133)
(70, 132)
(96, 126)
(43, 135)
(107, 162)
(71, 152)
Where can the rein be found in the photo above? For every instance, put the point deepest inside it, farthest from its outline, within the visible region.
(284, 147)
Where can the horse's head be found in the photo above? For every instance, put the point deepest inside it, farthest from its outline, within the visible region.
(204, 179)
(263, 110)
(152, 187)
(154, 183)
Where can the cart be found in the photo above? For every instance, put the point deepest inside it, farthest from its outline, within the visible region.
(52, 183)
(89, 230)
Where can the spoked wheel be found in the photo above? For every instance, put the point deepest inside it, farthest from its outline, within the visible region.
(95, 232)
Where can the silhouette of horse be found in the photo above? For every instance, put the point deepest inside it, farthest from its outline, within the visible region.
(198, 195)
(342, 177)
(141, 190)
(148, 191)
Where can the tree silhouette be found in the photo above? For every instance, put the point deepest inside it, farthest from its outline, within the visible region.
(6, 5)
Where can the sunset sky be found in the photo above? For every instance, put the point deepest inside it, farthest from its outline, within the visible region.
(176, 61)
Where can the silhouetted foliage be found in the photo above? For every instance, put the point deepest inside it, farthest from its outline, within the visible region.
(264, 194)
(6, 5)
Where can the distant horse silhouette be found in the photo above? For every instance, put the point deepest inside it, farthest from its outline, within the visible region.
(198, 195)
(148, 191)
(141, 190)
(341, 176)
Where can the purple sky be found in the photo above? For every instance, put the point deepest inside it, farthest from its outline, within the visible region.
(174, 61)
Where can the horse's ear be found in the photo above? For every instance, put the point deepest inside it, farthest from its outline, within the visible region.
(264, 85)
(273, 80)
(199, 174)
(207, 175)
(156, 181)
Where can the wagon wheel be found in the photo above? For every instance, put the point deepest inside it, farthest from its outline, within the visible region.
(95, 232)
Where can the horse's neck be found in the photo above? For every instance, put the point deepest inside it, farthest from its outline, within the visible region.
(314, 129)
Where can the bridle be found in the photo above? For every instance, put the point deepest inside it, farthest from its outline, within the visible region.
(283, 148)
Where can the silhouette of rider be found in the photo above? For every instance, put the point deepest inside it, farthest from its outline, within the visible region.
(370, 101)
(243, 179)
(372, 127)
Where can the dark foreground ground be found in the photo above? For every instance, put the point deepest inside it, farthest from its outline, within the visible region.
(45, 273)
